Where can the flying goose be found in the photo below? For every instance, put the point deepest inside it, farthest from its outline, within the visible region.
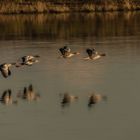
(28, 60)
(5, 69)
(93, 54)
(66, 52)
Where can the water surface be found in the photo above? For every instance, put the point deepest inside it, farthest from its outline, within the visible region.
(116, 76)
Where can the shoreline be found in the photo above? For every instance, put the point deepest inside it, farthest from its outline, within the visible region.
(14, 7)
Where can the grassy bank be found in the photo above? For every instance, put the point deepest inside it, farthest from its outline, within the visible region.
(42, 6)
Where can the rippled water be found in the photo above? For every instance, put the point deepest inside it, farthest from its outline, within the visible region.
(116, 76)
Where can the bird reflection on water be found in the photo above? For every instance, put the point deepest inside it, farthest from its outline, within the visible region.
(7, 99)
(67, 99)
(29, 94)
(96, 98)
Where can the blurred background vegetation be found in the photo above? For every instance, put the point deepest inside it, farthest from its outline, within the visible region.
(66, 25)
(51, 6)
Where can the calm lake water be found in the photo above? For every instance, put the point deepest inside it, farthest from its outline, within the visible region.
(115, 76)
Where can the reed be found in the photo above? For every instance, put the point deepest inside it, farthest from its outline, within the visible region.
(56, 6)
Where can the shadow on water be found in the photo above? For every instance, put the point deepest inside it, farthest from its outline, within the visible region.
(53, 26)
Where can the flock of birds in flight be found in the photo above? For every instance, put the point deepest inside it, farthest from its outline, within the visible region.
(28, 93)
(25, 60)
(30, 60)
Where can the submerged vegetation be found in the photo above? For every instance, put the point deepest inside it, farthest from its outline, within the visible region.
(50, 6)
